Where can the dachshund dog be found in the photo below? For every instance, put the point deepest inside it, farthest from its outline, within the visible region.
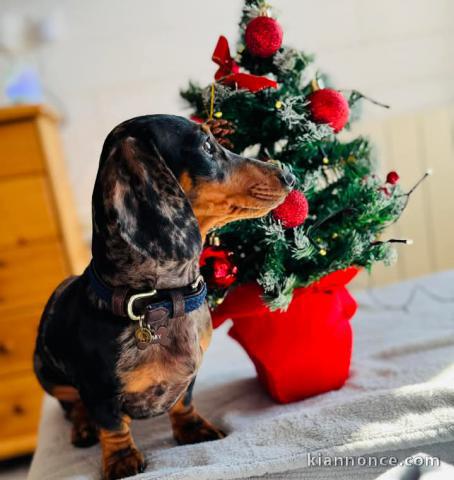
(125, 339)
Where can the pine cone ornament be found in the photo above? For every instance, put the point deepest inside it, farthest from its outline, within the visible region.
(221, 129)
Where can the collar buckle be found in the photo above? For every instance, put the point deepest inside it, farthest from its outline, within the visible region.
(196, 283)
(132, 299)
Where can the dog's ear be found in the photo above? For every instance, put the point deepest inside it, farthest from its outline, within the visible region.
(144, 203)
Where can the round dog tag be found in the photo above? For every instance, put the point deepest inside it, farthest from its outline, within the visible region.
(143, 337)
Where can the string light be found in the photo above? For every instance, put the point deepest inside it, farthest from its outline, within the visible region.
(428, 173)
(406, 241)
(214, 240)
(356, 95)
(406, 305)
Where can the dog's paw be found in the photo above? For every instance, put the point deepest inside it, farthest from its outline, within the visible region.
(84, 435)
(196, 429)
(123, 463)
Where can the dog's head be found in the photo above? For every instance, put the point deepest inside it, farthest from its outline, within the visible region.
(159, 171)
(220, 185)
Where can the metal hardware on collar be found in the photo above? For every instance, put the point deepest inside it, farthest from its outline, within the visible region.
(144, 336)
(131, 301)
(197, 282)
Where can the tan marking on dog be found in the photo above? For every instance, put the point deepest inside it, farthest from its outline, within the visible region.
(186, 182)
(144, 377)
(249, 192)
(65, 393)
(120, 456)
(188, 426)
(205, 128)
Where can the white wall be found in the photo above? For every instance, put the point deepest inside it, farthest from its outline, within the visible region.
(120, 58)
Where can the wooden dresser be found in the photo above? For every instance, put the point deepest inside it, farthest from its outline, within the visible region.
(40, 244)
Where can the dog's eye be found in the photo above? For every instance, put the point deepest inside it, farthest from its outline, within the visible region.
(208, 147)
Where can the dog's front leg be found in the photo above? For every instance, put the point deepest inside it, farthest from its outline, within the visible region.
(187, 425)
(120, 456)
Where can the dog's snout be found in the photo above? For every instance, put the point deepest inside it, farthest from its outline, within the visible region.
(287, 179)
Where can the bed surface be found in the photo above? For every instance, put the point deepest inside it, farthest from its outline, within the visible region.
(399, 400)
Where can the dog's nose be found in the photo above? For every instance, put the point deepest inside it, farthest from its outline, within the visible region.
(287, 179)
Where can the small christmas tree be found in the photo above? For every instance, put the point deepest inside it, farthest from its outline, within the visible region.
(273, 105)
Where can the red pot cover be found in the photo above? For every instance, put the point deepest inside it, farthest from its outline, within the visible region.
(303, 351)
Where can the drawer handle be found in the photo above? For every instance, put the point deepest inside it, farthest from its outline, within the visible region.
(18, 409)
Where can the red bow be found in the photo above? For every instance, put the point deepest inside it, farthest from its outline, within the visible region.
(229, 72)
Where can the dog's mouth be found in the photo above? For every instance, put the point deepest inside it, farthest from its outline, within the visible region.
(260, 200)
(267, 196)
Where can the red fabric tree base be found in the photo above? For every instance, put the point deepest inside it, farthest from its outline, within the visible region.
(301, 352)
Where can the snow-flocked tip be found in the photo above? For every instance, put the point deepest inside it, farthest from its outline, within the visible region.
(409, 241)
(429, 171)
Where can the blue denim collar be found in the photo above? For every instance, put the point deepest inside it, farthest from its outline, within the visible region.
(192, 300)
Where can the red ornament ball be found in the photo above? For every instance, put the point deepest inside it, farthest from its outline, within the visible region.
(329, 106)
(263, 36)
(217, 267)
(293, 211)
(392, 177)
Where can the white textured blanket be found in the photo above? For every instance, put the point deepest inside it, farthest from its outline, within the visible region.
(398, 401)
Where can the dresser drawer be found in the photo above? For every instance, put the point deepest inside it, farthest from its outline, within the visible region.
(20, 408)
(26, 211)
(20, 150)
(18, 332)
(29, 274)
